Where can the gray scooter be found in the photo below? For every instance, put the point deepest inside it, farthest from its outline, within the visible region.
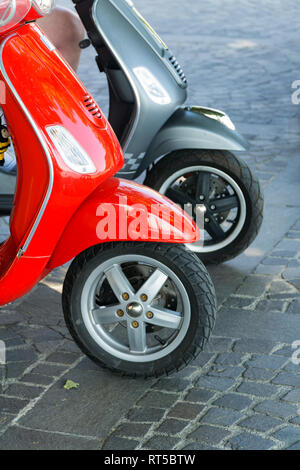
(185, 151)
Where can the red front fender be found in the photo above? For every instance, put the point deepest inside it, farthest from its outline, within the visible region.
(123, 210)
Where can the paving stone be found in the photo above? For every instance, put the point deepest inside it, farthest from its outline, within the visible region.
(292, 396)
(215, 383)
(62, 357)
(199, 395)
(291, 273)
(296, 226)
(16, 438)
(259, 389)
(37, 379)
(10, 318)
(158, 400)
(229, 358)
(284, 295)
(293, 263)
(70, 346)
(226, 371)
(234, 401)
(120, 443)
(295, 283)
(238, 302)
(172, 426)
(289, 434)
(294, 307)
(209, 434)
(40, 334)
(12, 405)
(260, 423)
(21, 355)
(247, 441)
(197, 446)
(270, 306)
(284, 253)
(5, 419)
(13, 342)
(148, 414)
(266, 362)
(218, 344)
(132, 430)
(187, 373)
(172, 384)
(280, 287)
(285, 351)
(276, 408)
(250, 345)
(23, 391)
(202, 359)
(268, 269)
(295, 446)
(14, 370)
(221, 416)
(50, 370)
(255, 285)
(87, 364)
(287, 378)
(275, 261)
(295, 420)
(255, 373)
(161, 443)
(185, 410)
(47, 347)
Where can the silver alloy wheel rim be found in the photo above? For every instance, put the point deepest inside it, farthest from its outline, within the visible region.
(200, 247)
(95, 318)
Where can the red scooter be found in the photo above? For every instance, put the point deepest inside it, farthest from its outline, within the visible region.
(134, 298)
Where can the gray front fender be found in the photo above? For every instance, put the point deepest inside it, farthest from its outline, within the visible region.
(194, 128)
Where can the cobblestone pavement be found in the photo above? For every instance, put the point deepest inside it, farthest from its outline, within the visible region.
(243, 391)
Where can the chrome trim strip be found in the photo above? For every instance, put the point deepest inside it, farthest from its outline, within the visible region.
(41, 140)
(127, 73)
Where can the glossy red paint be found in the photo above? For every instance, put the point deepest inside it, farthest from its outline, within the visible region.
(123, 210)
(55, 213)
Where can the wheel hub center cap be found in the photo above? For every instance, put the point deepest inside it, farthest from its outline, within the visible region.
(134, 309)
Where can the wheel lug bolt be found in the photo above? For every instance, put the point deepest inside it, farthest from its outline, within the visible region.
(120, 313)
(201, 197)
(144, 297)
(125, 296)
(212, 207)
(149, 315)
(206, 220)
(135, 324)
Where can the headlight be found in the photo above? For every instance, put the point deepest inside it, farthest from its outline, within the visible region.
(74, 156)
(12, 12)
(43, 6)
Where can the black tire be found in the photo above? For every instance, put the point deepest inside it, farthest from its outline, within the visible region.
(192, 275)
(235, 168)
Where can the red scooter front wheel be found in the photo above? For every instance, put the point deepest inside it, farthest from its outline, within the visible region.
(140, 309)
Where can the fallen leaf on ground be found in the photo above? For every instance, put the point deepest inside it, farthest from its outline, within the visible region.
(70, 384)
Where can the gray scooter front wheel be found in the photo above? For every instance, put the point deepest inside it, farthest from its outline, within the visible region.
(221, 187)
